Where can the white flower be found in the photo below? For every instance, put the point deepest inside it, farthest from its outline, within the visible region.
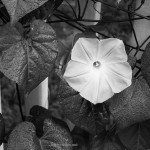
(98, 69)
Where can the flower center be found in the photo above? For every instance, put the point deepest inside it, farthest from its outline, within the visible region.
(97, 64)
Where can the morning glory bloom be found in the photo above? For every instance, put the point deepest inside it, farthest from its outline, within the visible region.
(98, 68)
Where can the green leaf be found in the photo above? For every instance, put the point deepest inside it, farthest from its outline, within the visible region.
(131, 105)
(55, 137)
(19, 8)
(28, 60)
(137, 136)
(145, 64)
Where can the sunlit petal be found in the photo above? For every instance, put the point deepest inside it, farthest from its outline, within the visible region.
(77, 74)
(104, 91)
(85, 47)
(97, 90)
(79, 54)
(119, 76)
(112, 51)
(90, 91)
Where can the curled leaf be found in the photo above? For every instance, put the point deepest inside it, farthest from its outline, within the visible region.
(28, 60)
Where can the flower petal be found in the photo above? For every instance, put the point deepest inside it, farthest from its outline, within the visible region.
(77, 74)
(97, 90)
(104, 91)
(85, 50)
(119, 76)
(90, 91)
(112, 51)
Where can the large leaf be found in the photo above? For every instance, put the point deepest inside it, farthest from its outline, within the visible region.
(19, 8)
(131, 105)
(145, 64)
(137, 136)
(28, 61)
(55, 137)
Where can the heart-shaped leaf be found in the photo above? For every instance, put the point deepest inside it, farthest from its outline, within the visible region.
(131, 105)
(28, 61)
(55, 137)
(145, 64)
(137, 136)
(19, 8)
